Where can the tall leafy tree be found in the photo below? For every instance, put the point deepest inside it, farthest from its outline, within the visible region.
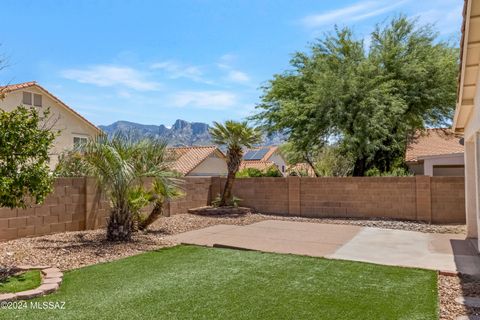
(25, 139)
(235, 136)
(367, 101)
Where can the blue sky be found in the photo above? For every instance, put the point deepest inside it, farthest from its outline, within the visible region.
(153, 61)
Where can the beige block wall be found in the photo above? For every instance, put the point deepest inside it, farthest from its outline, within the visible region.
(78, 204)
(448, 199)
(358, 197)
(423, 198)
(63, 210)
(197, 193)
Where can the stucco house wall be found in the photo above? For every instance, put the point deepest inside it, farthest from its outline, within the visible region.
(448, 165)
(213, 166)
(61, 118)
(279, 161)
(467, 113)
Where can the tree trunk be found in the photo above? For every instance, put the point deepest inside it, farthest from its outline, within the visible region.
(156, 213)
(120, 225)
(234, 157)
(359, 168)
(227, 191)
(310, 163)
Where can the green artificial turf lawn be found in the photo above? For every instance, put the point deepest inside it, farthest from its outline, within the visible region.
(22, 282)
(188, 282)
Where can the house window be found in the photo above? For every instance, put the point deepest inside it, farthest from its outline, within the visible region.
(37, 100)
(79, 141)
(27, 98)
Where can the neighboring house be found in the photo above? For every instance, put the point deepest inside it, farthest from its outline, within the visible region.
(467, 113)
(74, 129)
(198, 161)
(436, 152)
(301, 169)
(264, 157)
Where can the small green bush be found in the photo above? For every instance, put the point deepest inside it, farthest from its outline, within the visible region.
(395, 172)
(271, 171)
(218, 198)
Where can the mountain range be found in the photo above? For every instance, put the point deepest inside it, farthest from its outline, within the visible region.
(181, 133)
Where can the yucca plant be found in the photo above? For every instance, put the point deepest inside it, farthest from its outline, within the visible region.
(235, 136)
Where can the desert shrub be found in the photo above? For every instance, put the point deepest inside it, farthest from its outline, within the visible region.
(218, 198)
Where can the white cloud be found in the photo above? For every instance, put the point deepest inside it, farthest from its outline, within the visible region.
(214, 100)
(355, 12)
(112, 76)
(237, 76)
(446, 17)
(176, 70)
(233, 75)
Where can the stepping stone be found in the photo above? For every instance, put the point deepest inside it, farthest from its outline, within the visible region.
(29, 294)
(49, 275)
(7, 297)
(27, 267)
(48, 287)
(52, 280)
(473, 302)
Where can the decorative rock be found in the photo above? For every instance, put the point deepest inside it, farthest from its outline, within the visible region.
(468, 318)
(48, 287)
(48, 270)
(473, 302)
(7, 297)
(52, 280)
(26, 267)
(448, 273)
(214, 211)
(28, 294)
(53, 275)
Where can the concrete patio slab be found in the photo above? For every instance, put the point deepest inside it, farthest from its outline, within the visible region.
(443, 252)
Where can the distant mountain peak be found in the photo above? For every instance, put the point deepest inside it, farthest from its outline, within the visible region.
(181, 133)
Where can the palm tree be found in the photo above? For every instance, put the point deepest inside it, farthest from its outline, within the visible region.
(235, 135)
(121, 165)
(157, 161)
(109, 161)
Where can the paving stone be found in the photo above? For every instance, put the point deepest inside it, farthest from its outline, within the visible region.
(7, 297)
(28, 267)
(53, 275)
(28, 294)
(473, 302)
(48, 270)
(48, 287)
(52, 280)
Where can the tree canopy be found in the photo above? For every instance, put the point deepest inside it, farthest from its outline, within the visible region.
(367, 100)
(24, 162)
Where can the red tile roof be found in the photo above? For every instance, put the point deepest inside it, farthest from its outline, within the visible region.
(433, 142)
(14, 87)
(188, 158)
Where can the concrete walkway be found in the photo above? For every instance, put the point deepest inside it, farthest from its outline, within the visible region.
(443, 252)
